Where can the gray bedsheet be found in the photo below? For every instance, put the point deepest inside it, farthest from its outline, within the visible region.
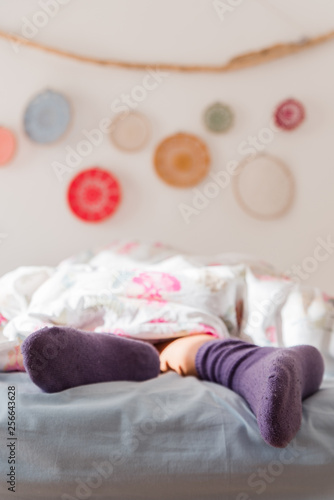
(169, 438)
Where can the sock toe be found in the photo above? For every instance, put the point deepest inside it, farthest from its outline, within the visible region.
(279, 414)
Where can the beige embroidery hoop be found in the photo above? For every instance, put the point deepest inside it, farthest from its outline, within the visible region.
(264, 187)
(130, 132)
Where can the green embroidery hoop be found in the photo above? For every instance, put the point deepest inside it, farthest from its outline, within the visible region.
(218, 118)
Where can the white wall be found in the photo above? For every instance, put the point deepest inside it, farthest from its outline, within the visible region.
(33, 209)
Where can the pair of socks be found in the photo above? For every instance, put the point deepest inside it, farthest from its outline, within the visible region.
(273, 381)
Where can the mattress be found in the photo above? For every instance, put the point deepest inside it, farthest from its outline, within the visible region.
(169, 438)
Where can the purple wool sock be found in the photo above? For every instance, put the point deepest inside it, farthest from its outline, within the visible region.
(273, 381)
(58, 358)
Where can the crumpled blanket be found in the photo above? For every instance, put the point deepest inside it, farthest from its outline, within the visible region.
(154, 293)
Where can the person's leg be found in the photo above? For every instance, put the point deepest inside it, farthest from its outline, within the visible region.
(273, 381)
(58, 358)
(179, 355)
(11, 359)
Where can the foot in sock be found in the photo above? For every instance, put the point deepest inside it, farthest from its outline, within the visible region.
(58, 358)
(273, 381)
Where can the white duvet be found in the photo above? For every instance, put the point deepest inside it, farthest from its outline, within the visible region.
(151, 292)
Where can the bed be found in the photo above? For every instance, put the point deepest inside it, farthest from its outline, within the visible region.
(172, 437)
(169, 438)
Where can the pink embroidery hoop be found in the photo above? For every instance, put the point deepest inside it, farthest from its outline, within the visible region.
(7, 145)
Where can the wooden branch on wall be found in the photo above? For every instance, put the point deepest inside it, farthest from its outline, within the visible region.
(239, 62)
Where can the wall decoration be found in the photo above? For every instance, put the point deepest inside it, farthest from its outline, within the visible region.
(264, 187)
(7, 145)
(289, 114)
(130, 132)
(218, 118)
(47, 117)
(182, 160)
(245, 60)
(94, 195)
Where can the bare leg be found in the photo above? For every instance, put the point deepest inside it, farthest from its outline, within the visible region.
(179, 355)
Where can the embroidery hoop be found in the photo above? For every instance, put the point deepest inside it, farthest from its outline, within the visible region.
(120, 142)
(10, 148)
(34, 102)
(289, 196)
(162, 166)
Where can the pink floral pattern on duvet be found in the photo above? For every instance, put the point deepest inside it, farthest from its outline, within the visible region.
(2, 319)
(15, 360)
(271, 334)
(151, 286)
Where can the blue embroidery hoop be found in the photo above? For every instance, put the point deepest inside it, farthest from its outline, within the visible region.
(47, 117)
